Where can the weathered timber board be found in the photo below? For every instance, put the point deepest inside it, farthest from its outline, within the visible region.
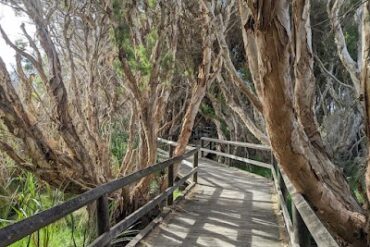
(228, 207)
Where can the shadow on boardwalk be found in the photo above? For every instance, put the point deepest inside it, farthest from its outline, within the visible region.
(228, 207)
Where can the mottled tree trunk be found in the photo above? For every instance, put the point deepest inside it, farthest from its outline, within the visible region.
(305, 83)
(365, 88)
(205, 77)
(312, 173)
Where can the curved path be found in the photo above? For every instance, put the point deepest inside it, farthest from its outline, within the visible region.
(228, 207)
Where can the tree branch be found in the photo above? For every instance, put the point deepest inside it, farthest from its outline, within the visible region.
(346, 59)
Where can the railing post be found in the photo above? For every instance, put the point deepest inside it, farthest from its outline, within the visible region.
(172, 150)
(195, 164)
(301, 232)
(228, 151)
(170, 177)
(102, 216)
(275, 167)
(279, 177)
(281, 182)
(201, 146)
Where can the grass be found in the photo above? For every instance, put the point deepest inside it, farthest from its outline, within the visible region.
(177, 193)
(26, 196)
(70, 231)
(264, 172)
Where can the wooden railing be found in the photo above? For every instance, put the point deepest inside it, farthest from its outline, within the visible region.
(301, 222)
(106, 233)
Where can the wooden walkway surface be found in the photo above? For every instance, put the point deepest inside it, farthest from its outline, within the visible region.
(228, 207)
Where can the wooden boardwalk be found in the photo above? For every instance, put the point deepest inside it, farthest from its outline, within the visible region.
(228, 207)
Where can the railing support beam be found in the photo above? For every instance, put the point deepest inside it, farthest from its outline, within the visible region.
(228, 150)
(201, 146)
(170, 176)
(102, 216)
(195, 165)
(300, 230)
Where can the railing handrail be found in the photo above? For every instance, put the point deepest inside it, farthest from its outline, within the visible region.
(173, 143)
(235, 157)
(316, 228)
(104, 239)
(239, 144)
(23, 228)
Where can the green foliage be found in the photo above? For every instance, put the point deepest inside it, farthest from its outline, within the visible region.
(351, 36)
(177, 193)
(117, 9)
(142, 63)
(70, 231)
(38, 85)
(117, 67)
(224, 128)
(245, 74)
(151, 38)
(264, 172)
(28, 196)
(152, 3)
(118, 143)
(154, 187)
(167, 60)
(138, 55)
(354, 172)
(207, 110)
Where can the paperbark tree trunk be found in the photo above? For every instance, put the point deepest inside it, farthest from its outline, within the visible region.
(348, 62)
(312, 173)
(305, 83)
(235, 106)
(365, 88)
(205, 77)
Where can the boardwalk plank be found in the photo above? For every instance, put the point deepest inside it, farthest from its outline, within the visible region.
(228, 207)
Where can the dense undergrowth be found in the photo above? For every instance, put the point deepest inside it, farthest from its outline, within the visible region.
(23, 195)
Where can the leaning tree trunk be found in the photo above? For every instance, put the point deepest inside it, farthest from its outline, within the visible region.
(205, 77)
(305, 84)
(311, 172)
(150, 86)
(365, 87)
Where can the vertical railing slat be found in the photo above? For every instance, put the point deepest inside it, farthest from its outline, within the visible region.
(170, 176)
(202, 146)
(300, 230)
(195, 164)
(228, 160)
(102, 215)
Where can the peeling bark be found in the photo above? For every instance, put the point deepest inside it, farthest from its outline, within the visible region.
(305, 82)
(205, 78)
(304, 163)
(348, 62)
(365, 87)
(235, 106)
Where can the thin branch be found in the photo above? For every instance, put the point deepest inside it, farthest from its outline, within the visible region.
(322, 66)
